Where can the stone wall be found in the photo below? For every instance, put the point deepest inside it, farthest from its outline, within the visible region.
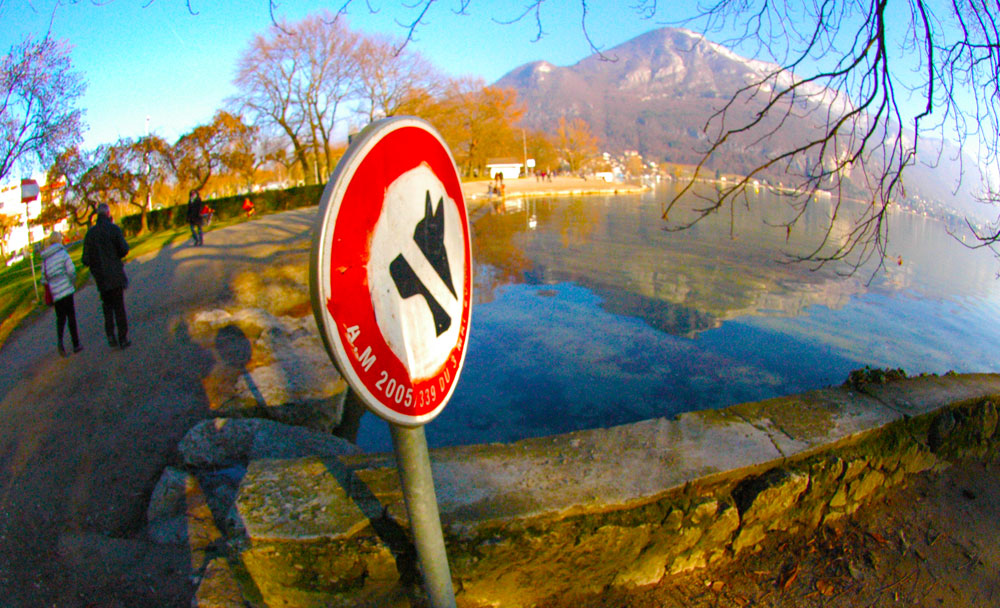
(577, 513)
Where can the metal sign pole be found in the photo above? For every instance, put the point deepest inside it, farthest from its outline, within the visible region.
(29, 192)
(31, 257)
(414, 465)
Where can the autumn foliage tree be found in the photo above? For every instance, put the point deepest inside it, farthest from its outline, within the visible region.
(298, 82)
(7, 225)
(83, 184)
(52, 212)
(542, 149)
(120, 181)
(575, 142)
(225, 144)
(147, 164)
(477, 121)
(123, 174)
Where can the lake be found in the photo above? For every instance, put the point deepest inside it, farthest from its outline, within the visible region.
(588, 314)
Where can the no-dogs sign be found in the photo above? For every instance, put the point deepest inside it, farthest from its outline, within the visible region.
(391, 270)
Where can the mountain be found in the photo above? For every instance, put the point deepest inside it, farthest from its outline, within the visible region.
(652, 94)
(655, 93)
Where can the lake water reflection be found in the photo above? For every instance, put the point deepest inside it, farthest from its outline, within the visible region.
(588, 314)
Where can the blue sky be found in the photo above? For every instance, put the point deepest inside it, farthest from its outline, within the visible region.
(176, 67)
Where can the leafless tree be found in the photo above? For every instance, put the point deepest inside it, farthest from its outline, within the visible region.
(877, 78)
(38, 93)
(294, 80)
(989, 236)
(389, 76)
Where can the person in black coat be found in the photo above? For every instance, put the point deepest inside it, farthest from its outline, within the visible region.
(104, 248)
(194, 217)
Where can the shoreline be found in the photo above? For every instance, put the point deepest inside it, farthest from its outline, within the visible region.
(477, 191)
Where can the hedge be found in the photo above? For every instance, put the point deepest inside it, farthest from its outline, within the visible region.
(270, 201)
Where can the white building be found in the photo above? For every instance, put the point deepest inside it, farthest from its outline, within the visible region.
(509, 168)
(21, 236)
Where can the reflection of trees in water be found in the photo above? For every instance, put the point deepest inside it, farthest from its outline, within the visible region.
(681, 283)
(495, 245)
(673, 319)
(580, 221)
(686, 282)
(499, 238)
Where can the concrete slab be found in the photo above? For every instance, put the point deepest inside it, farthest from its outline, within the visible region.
(925, 394)
(591, 470)
(296, 499)
(803, 422)
(599, 469)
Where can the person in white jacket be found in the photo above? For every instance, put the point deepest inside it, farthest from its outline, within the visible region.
(59, 273)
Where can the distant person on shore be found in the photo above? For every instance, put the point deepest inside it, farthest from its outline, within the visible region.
(248, 207)
(59, 273)
(194, 217)
(500, 188)
(104, 248)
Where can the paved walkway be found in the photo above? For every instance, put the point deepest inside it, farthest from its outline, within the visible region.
(84, 439)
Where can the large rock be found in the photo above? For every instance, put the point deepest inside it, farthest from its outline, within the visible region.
(179, 513)
(269, 366)
(166, 515)
(221, 442)
(327, 554)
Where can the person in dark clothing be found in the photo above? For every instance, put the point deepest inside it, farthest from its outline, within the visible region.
(104, 248)
(194, 217)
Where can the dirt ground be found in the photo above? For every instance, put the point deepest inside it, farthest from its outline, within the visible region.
(83, 441)
(933, 543)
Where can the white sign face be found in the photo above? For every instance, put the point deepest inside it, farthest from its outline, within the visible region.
(29, 190)
(391, 270)
(409, 254)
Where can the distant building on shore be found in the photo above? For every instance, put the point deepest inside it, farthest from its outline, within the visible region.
(510, 168)
(24, 233)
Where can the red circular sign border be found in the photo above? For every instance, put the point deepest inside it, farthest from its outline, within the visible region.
(352, 204)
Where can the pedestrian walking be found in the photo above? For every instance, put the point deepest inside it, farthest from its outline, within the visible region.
(248, 208)
(194, 217)
(104, 248)
(59, 275)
